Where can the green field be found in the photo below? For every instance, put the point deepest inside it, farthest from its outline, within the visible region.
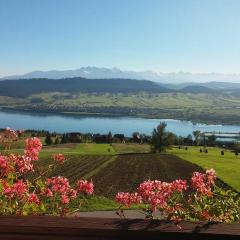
(130, 148)
(70, 149)
(226, 166)
(79, 149)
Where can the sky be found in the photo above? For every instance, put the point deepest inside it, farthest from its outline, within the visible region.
(198, 36)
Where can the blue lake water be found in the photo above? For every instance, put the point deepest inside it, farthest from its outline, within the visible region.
(93, 124)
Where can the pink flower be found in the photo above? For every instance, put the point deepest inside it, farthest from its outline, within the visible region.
(33, 198)
(48, 192)
(179, 185)
(59, 158)
(203, 182)
(64, 199)
(205, 215)
(23, 164)
(85, 186)
(20, 188)
(4, 165)
(211, 176)
(59, 186)
(8, 191)
(73, 193)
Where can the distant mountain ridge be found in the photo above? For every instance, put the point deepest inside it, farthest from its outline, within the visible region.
(26, 87)
(212, 85)
(100, 73)
(197, 89)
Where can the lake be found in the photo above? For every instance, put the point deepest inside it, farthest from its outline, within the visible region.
(93, 124)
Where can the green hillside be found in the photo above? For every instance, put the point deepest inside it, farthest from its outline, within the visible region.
(199, 107)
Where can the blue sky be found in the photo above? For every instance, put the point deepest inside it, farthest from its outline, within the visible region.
(161, 35)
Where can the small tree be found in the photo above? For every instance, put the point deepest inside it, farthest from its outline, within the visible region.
(212, 140)
(48, 139)
(63, 139)
(136, 137)
(57, 141)
(180, 140)
(161, 139)
(109, 137)
(196, 135)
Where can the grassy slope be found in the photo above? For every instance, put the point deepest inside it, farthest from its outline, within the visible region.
(192, 106)
(163, 100)
(227, 166)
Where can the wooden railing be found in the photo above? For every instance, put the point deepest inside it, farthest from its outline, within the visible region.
(96, 228)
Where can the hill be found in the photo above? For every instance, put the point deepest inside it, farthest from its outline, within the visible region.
(223, 86)
(26, 87)
(197, 89)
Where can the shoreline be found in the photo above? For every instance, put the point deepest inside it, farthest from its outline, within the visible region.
(113, 115)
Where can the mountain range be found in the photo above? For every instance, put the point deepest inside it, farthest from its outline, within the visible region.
(101, 73)
(27, 87)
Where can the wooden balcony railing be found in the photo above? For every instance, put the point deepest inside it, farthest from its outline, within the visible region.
(50, 228)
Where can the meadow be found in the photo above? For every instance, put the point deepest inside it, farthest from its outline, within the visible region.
(227, 166)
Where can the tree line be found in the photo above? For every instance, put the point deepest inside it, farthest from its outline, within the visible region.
(159, 140)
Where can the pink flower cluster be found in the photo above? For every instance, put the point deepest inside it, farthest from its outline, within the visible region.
(18, 189)
(54, 194)
(59, 158)
(4, 166)
(24, 163)
(32, 148)
(155, 193)
(203, 182)
(127, 199)
(170, 197)
(85, 186)
(33, 198)
(60, 186)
